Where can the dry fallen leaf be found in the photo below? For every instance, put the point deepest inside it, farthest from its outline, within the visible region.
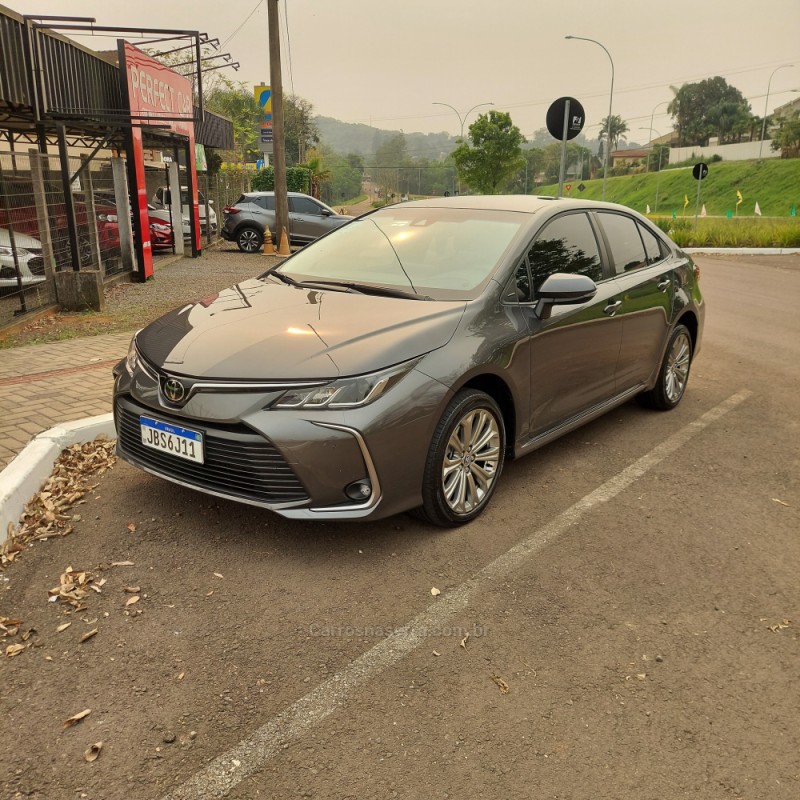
(131, 527)
(15, 649)
(75, 718)
(122, 564)
(92, 753)
(132, 589)
(131, 600)
(463, 642)
(46, 514)
(775, 500)
(63, 627)
(501, 683)
(435, 592)
(88, 635)
(180, 676)
(217, 575)
(436, 654)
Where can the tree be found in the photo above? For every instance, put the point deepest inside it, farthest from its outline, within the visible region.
(300, 131)
(787, 137)
(494, 155)
(237, 103)
(709, 108)
(618, 130)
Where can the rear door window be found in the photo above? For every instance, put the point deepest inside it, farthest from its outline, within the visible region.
(267, 202)
(653, 247)
(624, 241)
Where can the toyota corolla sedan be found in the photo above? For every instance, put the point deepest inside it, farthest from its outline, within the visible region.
(397, 362)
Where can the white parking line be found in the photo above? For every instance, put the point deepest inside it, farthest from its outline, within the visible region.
(250, 755)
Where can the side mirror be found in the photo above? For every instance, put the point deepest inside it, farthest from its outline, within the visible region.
(561, 289)
(326, 212)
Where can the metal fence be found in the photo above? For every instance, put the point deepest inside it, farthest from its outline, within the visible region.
(34, 232)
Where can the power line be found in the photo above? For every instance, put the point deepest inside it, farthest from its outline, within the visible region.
(288, 43)
(246, 20)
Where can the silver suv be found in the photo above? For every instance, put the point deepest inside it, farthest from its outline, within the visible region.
(253, 212)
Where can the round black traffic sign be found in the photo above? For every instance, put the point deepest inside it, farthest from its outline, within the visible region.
(700, 171)
(555, 118)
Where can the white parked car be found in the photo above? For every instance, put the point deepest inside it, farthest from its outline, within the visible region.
(29, 258)
(161, 201)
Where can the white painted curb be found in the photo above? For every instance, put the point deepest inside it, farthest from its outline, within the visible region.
(743, 251)
(24, 476)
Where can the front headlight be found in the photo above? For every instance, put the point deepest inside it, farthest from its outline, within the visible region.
(132, 359)
(7, 252)
(347, 392)
(155, 226)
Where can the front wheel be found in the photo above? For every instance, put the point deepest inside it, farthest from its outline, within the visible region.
(249, 240)
(464, 461)
(674, 373)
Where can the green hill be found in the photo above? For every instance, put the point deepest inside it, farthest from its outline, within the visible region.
(774, 184)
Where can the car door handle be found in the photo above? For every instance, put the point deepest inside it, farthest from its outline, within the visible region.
(664, 285)
(612, 307)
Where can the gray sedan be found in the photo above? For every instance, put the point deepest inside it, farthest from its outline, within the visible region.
(395, 364)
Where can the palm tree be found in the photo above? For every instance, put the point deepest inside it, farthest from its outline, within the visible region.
(618, 129)
(319, 174)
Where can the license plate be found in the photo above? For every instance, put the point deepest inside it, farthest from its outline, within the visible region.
(173, 439)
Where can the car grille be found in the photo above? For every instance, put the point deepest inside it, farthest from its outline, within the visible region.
(36, 265)
(238, 462)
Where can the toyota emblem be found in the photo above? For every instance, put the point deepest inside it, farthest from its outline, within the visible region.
(174, 390)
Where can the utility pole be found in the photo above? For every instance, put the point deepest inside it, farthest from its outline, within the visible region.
(278, 140)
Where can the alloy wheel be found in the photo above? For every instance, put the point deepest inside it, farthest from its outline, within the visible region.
(471, 461)
(677, 371)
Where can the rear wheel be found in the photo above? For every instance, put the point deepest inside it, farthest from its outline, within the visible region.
(674, 373)
(249, 239)
(464, 461)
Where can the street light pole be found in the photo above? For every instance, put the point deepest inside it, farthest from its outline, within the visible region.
(764, 121)
(663, 103)
(461, 121)
(610, 100)
(660, 152)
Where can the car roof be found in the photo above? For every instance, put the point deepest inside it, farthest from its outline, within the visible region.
(290, 194)
(530, 204)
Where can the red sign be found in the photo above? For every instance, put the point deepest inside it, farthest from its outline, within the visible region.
(568, 186)
(157, 93)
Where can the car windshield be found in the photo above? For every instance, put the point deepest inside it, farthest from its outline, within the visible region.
(446, 254)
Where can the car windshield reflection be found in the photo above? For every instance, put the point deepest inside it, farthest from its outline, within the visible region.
(448, 254)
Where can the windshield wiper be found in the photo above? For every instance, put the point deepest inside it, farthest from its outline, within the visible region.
(281, 276)
(368, 288)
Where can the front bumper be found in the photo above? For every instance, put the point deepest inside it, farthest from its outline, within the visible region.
(296, 463)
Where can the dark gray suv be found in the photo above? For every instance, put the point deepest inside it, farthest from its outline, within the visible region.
(253, 212)
(397, 362)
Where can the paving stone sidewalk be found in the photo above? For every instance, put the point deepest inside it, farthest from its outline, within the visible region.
(42, 385)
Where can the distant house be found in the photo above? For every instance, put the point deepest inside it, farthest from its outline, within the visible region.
(630, 158)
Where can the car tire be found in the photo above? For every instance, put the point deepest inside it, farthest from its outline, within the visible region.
(464, 461)
(673, 375)
(249, 239)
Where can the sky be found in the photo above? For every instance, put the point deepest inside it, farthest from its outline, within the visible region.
(387, 62)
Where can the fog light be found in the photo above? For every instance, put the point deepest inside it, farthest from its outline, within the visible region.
(359, 490)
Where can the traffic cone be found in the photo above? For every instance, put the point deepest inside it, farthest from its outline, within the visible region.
(269, 249)
(283, 248)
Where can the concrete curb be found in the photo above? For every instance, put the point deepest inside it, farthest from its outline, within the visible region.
(24, 476)
(742, 251)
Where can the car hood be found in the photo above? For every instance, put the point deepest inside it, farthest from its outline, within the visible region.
(262, 330)
(20, 239)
